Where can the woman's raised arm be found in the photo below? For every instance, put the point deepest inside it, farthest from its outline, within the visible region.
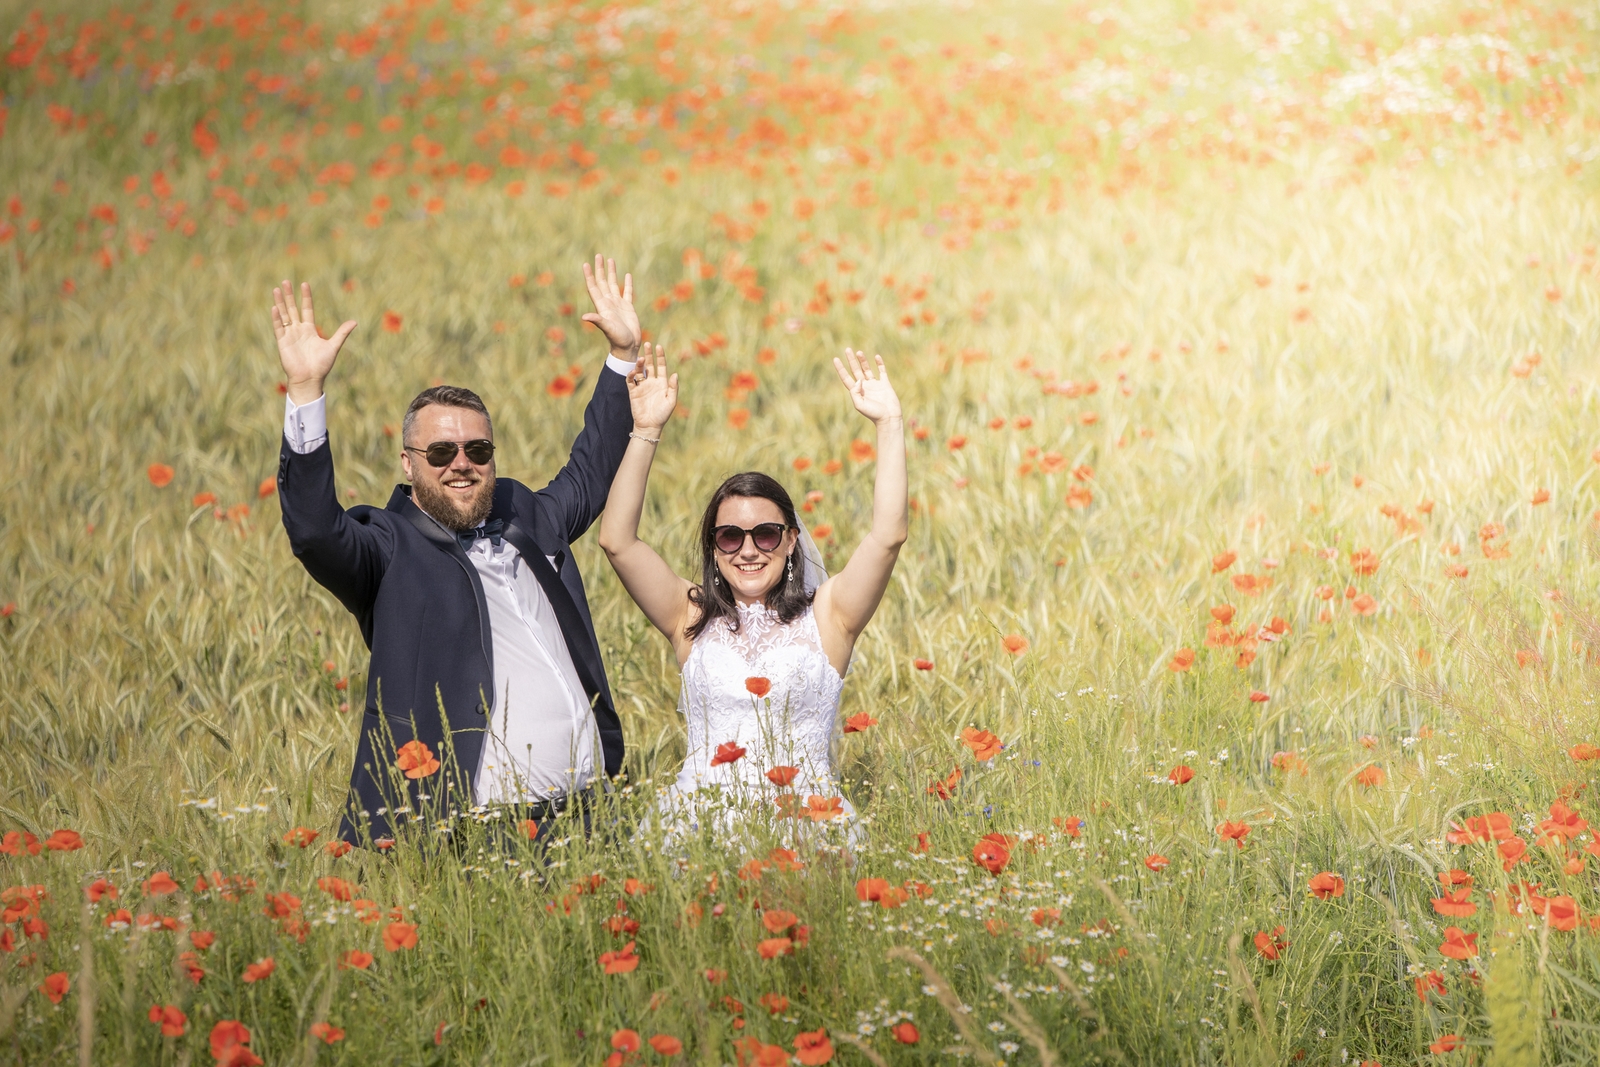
(845, 602)
(660, 594)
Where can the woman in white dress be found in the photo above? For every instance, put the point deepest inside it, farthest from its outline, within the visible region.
(764, 636)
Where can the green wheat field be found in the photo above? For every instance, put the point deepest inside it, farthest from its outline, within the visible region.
(1248, 352)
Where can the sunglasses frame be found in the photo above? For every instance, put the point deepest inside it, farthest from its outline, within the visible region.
(459, 447)
(716, 532)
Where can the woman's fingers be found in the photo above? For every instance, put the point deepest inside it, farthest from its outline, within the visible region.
(844, 375)
(306, 311)
(883, 372)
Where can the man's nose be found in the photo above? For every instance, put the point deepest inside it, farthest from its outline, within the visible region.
(461, 464)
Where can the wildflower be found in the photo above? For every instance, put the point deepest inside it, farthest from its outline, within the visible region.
(1258, 697)
(1562, 913)
(1222, 561)
(1513, 852)
(1581, 751)
(160, 475)
(1181, 660)
(1447, 1043)
(169, 1018)
(1371, 776)
(230, 1045)
(1182, 774)
(666, 1045)
(1364, 604)
(1364, 561)
(1454, 904)
(1015, 644)
(202, 939)
(821, 809)
(260, 969)
(1046, 916)
(773, 947)
(1326, 885)
(337, 848)
(327, 1032)
(621, 961)
(922, 842)
(1458, 944)
(55, 986)
(992, 852)
(337, 888)
(727, 752)
(392, 321)
(63, 841)
(561, 386)
(16, 842)
(159, 885)
(191, 965)
(301, 836)
(355, 960)
(905, 1033)
(1494, 826)
(813, 1047)
(1270, 946)
(1564, 824)
(984, 745)
(1157, 862)
(1234, 831)
(1429, 982)
(416, 760)
(776, 1004)
(1072, 826)
(399, 935)
(100, 889)
(855, 724)
(782, 776)
(927, 665)
(945, 789)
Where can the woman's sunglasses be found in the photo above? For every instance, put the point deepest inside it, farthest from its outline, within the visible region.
(443, 453)
(767, 537)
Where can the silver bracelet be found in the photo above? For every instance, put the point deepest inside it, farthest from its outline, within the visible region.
(647, 440)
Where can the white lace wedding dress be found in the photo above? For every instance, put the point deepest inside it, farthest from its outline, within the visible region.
(794, 724)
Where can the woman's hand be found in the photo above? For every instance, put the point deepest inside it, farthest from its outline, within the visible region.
(872, 394)
(652, 395)
(306, 355)
(613, 306)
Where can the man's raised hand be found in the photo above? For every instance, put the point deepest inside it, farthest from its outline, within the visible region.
(613, 307)
(307, 356)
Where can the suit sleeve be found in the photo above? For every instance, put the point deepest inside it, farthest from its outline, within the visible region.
(577, 494)
(345, 552)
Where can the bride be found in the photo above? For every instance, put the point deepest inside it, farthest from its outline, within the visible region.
(764, 636)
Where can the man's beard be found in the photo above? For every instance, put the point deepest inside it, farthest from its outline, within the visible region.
(448, 510)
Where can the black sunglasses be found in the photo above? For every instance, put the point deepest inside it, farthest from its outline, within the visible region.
(730, 539)
(443, 453)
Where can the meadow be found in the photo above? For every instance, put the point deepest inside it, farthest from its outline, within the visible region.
(1233, 700)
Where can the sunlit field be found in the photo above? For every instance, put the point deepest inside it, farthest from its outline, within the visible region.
(1248, 356)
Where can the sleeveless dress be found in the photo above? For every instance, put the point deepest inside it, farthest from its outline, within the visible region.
(793, 723)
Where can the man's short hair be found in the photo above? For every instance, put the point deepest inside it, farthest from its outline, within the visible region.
(450, 396)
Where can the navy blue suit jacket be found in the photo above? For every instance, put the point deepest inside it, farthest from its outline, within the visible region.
(422, 613)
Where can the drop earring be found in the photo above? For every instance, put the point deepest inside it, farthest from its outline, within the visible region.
(789, 570)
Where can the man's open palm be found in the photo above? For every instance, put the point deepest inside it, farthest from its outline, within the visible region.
(613, 305)
(307, 356)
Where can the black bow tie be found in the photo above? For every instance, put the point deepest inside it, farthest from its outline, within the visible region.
(490, 529)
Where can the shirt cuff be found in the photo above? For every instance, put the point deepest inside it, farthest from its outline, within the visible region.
(621, 366)
(305, 426)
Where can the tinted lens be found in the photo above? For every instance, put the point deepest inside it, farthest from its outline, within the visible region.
(768, 536)
(728, 538)
(480, 452)
(441, 453)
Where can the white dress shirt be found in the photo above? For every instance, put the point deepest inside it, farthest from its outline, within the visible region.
(541, 741)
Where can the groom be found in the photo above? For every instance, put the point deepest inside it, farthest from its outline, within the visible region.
(464, 587)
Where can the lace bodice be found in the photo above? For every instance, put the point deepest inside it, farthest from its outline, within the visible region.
(792, 725)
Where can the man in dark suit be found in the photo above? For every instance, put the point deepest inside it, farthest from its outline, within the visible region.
(485, 685)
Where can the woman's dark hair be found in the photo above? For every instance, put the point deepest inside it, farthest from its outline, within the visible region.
(788, 599)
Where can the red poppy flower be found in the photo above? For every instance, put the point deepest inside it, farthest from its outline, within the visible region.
(356, 960)
(399, 935)
(758, 687)
(945, 789)
(301, 836)
(813, 1047)
(64, 841)
(1181, 660)
(1584, 751)
(327, 1032)
(260, 969)
(855, 724)
(905, 1033)
(621, 961)
(666, 1045)
(337, 848)
(55, 986)
(1458, 944)
(169, 1018)
(992, 852)
(773, 947)
(927, 665)
(922, 842)
(160, 884)
(821, 809)
(1071, 825)
(1182, 774)
(392, 321)
(1430, 982)
(1222, 561)
(1447, 1043)
(727, 752)
(1015, 644)
(1371, 776)
(1235, 832)
(1258, 697)
(1455, 903)
(984, 745)
(1326, 885)
(1270, 946)
(416, 760)
(782, 776)
(230, 1038)
(100, 889)
(1157, 862)
(160, 475)
(1513, 852)
(1563, 823)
